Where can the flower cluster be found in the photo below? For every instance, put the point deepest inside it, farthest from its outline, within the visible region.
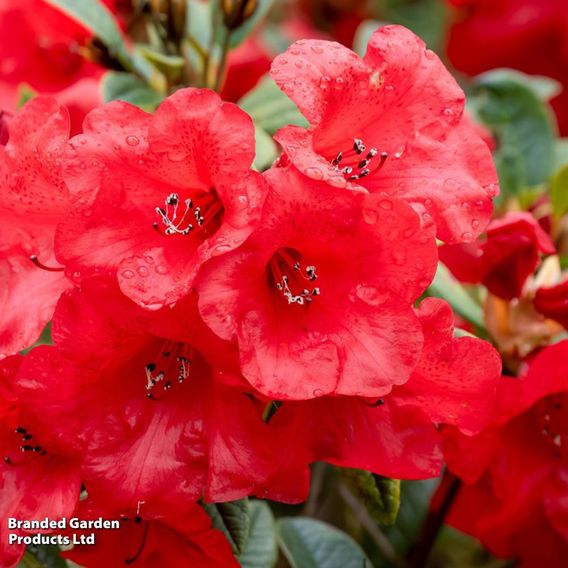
(215, 329)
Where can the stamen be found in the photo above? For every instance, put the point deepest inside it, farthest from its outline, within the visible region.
(360, 168)
(142, 544)
(181, 371)
(39, 264)
(278, 266)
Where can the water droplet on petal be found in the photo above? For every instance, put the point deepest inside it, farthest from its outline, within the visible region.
(317, 392)
(132, 140)
(142, 271)
(128, 274)
(317, 49)
(385, 204)
(314, 172)
(161, 269)
(467, 237)
(370, 216)
(400, 151)
(475, 223)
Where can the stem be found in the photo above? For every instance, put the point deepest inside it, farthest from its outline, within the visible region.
(418, 555)
(318, 475)
(222, 61)
(379, 538)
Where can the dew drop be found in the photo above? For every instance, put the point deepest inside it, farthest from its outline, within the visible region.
(314, 172)
(317, 49)
(142, 271)
(161, 269)
(132, 141)
(467, 237)
(385, 204)
(128, 274)
(317, 392)
(475, 223)
(370, 216)
(243, 200)
(400, 151)
(429, 54)
(324, 82)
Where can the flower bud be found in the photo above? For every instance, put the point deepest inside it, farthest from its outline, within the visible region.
(237, 12)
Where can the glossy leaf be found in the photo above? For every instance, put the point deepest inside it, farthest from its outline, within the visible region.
(522, 125)
(559, 191)
(270, 108)
(448, 288)
(266, 150)
(233, 519)
(380, 495)
(308, 543)
(261, 549)
(126, 87)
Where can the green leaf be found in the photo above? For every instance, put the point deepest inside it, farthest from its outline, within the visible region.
(266, 150)
(364, 33)
(270, 108)
(308, 543)
(543, 87)
(98, 19)
(170, 66)
(233, 519)
(427, 19)
(448, 288)
(118, 86)
(522, 124)
(561, 153)
(261, 549)
(414, 504)
(44, 556)
(25, 94)
(559, 192)
(380, 495)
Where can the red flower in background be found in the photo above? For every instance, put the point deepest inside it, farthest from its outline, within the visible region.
(33, 200)
(454, 383)
(181, 540)
(41, 48)
(245, 67)
(528, 35)
(155, 196)
(39, 475)
(515, 472)
(320, 296)
(505, 259)
(552, 302)
(389, 123)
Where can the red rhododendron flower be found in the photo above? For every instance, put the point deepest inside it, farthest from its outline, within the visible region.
(245, 66)
(320, 297)
(505, 259)
(553, 302)
(517, 469)
(163, 424)
(34, 200)
(40, 48)
(528, 35)
(454, 383)
(39, 477)
(180, 540)
(388, 123)
(156, 196)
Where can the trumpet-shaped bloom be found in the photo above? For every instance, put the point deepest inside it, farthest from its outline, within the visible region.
(391, 123)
